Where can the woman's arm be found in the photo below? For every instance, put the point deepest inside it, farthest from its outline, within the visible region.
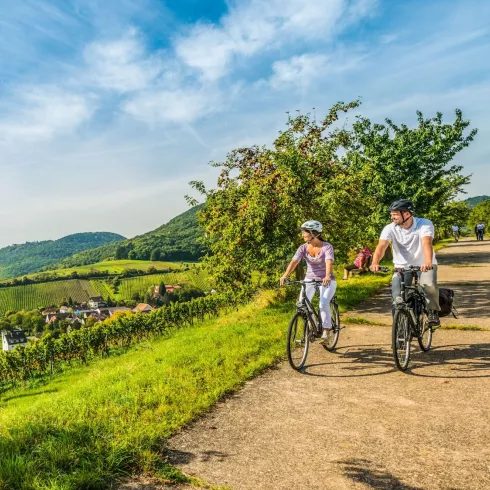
(292, 265)
(328, 272)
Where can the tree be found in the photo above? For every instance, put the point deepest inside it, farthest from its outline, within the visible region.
(70, 301)
(132, 255)
(251, 219)
(480, 214)
(121, 252)
(412, 163)
(155, 255)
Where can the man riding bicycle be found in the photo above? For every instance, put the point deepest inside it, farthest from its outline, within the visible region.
(411, 239)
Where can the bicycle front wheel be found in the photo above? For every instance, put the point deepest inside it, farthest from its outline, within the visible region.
(333, 335)
(425, 333)
(401, 338)
(298, 341)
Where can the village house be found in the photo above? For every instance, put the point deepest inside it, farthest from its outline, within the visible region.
(12, 339)
(168, 289)
(49, 311)
(114, 310)
(96, 302)
(142, 308)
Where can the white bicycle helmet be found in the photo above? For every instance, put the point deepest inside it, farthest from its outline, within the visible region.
(312, 226)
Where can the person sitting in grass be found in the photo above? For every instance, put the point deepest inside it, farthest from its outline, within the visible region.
(360, 262)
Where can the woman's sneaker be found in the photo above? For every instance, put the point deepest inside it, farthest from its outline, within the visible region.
(325, 336)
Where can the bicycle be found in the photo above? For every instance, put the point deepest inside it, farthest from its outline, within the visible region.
(306, 326)
(410, 319)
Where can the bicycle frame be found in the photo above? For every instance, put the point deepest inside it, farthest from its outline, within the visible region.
(414, 298)
(305, 306)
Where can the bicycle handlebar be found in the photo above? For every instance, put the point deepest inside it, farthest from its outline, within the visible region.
(289, 281)
(412, 268)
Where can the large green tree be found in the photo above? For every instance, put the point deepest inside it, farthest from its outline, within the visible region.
(480, 214)
(263, 194)
(413, 163)
(343, 177)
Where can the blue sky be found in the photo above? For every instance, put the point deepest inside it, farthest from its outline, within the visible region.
(108, 108)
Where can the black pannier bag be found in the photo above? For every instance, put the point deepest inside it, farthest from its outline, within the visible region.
(446, 297)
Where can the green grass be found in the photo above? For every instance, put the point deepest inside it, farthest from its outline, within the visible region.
(359, 320)
(463, 327)
(359, 288)
(457, 266)
(443, 243)
(95, 424)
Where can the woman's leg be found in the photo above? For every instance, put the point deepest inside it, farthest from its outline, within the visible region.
(326, 295)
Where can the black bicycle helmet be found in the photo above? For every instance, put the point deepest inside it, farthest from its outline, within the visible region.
(402, 205)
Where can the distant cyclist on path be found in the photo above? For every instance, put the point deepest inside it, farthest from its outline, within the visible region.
(319, 258)
(411, 239)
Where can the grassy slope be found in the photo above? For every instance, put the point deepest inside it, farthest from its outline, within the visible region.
(94, 424)
(112, 266)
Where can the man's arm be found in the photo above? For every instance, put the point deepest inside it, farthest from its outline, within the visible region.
(379, 253)
(428, 253)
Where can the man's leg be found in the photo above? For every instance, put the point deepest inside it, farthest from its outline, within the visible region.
(396, 286)
(429, 282)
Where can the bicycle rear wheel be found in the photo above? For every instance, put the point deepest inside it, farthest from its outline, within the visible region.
(333, 335)
(425, 333)
(401, 337)
(298, 341)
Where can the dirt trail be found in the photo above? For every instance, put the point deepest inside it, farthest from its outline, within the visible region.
(350, 421)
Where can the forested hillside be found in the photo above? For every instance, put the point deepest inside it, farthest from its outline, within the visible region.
(17, 260)
(176, 240)
(473, 201)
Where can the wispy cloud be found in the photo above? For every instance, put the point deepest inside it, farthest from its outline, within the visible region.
(181, 105)
(123, 64)
(40, 113)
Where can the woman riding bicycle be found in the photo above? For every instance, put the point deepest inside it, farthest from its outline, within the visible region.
(319, 258)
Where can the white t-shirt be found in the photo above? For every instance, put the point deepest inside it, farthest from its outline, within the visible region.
(455, 228)
(407, 244)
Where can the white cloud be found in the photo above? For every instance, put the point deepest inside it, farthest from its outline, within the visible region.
(122, 65)
(182, 105)
(298, 70)
(38, 114)
(259, 25)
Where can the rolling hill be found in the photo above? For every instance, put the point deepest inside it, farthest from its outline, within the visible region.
(17, 260)
(176, 240)
(473, 201)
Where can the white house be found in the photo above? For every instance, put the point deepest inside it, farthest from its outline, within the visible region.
(10, 340)
(96, 302)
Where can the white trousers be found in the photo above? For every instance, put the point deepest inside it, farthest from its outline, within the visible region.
(326, 295)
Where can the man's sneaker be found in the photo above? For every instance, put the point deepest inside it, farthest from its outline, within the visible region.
(324, 337)
(434, 321)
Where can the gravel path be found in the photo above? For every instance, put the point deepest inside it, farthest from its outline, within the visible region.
(350, 421)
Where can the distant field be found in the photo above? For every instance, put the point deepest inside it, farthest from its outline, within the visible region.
(41, 295)
(114, 267)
